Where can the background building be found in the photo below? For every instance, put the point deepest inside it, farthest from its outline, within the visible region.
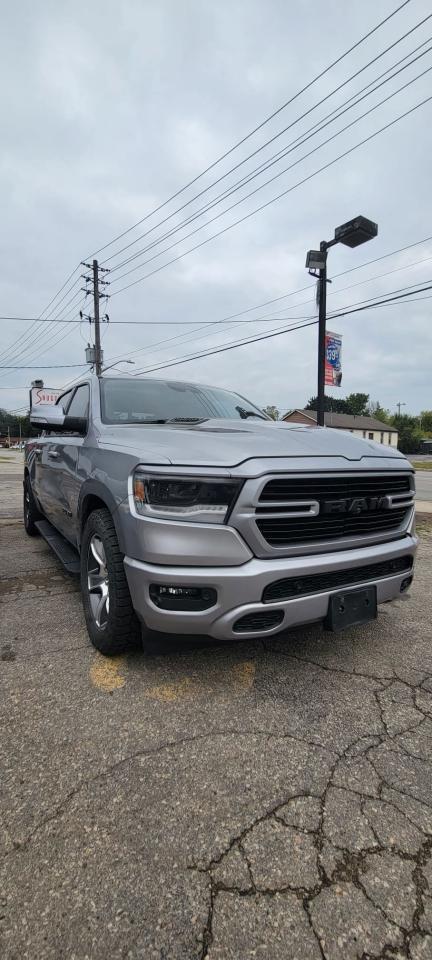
(366, 427)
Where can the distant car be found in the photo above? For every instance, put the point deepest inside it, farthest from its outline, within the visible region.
(187, 510)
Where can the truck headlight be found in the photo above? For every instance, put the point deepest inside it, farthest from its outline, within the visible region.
(193, 499)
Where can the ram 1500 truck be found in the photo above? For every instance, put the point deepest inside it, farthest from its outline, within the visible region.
(186, 510)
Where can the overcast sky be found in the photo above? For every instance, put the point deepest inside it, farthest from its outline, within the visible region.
(107, 109)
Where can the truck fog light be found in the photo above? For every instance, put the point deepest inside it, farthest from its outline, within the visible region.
(175, 597)
(405, 584)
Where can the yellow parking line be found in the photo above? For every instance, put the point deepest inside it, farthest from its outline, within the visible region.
(108, 673)
(234, 679)
(244, 674)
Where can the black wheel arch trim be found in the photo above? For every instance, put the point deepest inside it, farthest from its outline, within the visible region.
(95, 488)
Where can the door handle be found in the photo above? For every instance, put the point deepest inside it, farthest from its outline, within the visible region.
(53, 455)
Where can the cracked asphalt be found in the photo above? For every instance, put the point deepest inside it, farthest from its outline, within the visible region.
(257, 800)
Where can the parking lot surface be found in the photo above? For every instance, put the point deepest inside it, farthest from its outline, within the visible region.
(257, 800)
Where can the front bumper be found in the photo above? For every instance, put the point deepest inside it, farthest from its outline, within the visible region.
(239, 589)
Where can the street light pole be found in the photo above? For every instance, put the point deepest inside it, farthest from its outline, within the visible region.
(351, 234)
(322, 310)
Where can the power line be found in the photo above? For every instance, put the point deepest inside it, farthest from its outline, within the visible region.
(297, 142)
(41, 366)
(30, 337)
(223, 320)
(218, 323)
(273, 333)
(256, 189)
(47, 344)
(310, 286)
(263, 206)
(256, 129)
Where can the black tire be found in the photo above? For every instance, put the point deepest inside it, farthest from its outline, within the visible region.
(31, 512)
(113, 627)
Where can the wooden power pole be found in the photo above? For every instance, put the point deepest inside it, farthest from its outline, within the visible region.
(98, 352)
(94, 276)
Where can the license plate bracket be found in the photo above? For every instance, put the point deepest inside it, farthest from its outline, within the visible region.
(351, 609)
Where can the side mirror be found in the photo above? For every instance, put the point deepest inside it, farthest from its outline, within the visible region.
(51, 417)
(48, 416)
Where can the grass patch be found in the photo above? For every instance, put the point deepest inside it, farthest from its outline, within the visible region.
(422, 464)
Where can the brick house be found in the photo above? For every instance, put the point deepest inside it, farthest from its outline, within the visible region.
(366, 427)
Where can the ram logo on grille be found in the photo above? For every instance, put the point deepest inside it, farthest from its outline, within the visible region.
(355, 505)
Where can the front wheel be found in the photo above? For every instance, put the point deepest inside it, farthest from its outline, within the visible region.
(30, 510)
(112, 624)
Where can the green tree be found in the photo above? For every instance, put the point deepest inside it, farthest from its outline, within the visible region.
(330, 404)
(426, 421)
(10, 423)
(375, 409)
(357, 404)
(272, 412)
(409, 432)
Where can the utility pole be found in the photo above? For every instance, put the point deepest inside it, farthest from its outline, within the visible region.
(95, 270)
(399, 405)
(98, 357)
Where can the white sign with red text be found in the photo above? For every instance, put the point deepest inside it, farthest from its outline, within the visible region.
(43, 395)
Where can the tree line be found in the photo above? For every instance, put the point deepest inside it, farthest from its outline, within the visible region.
(10, 425)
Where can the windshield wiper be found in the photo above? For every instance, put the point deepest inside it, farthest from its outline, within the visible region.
(245, 414)
(187, 420)
(168, 420)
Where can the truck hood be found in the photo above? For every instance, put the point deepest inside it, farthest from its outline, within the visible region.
(231, 443)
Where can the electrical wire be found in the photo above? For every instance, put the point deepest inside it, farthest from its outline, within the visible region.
(30, 337)
(297, 142)
(24, 351)
(256, 129)
(278, 331)
(263, 206)
(261, 186)
(33, 334)
(149, 351)
(40, 366)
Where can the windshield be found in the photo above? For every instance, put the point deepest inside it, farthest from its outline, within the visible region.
(141, 401)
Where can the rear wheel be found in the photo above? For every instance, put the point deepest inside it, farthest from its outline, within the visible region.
(31, 512)
(112, 624)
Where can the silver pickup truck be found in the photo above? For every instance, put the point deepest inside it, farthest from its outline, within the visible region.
(185, 510)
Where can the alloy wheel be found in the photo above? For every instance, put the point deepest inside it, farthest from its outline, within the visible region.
(97, 581)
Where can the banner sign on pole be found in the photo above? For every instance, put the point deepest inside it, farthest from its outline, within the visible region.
(333, 357)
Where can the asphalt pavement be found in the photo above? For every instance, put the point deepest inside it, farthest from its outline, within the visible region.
(268, 800)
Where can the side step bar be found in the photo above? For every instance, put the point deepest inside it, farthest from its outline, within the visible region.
(62, 549)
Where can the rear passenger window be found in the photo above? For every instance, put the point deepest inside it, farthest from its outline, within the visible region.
(79, 406)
